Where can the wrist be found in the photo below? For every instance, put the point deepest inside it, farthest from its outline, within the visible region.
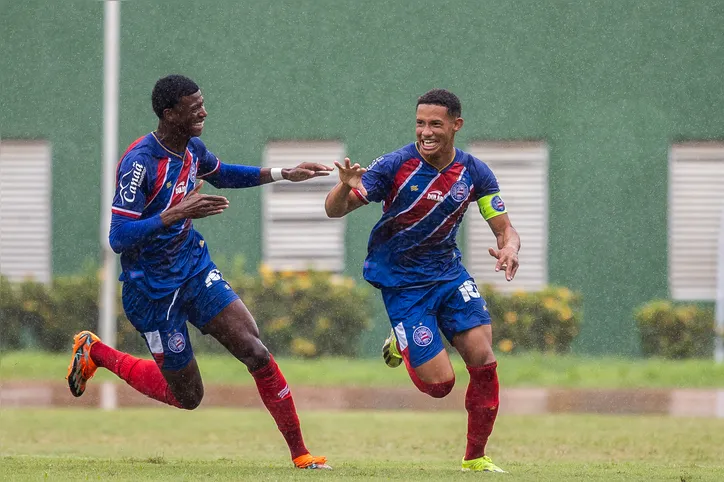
(277, 173)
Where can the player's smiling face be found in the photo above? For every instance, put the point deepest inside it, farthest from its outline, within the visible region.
(436, 131)
(189, 114)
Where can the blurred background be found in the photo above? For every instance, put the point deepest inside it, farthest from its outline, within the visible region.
(603, 122)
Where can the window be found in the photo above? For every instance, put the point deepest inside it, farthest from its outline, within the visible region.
(297, 233)
(696, 198)
(522, 172)
(25, 221)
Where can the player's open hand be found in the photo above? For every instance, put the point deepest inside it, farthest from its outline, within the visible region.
(507, 260)
(351, 175)
(306, 171)
(196, 205)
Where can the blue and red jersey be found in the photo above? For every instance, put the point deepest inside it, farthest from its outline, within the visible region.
(414, 242)
(149, 180)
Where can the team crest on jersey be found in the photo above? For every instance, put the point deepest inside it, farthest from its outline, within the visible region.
(132, 180)
(422, 336)
(192, 174)
(459, 191)
(177, 343)
(497, 204)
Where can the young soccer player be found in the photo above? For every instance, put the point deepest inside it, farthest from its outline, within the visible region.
(412, 257)
(168, 276)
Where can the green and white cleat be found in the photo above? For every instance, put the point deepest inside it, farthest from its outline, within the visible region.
(483, 464)
(390, 353)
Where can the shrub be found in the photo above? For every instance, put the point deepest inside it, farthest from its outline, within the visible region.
(675, 331)
(545, 321)
(302, 314)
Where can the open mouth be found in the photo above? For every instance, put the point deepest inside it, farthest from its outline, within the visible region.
(429, 144)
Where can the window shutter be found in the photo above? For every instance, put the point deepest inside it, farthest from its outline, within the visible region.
(696, 199)
(522, 173)
(25, 220)
(298, 235)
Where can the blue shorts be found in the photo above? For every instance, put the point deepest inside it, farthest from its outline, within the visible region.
(419, 314)
(162, 322)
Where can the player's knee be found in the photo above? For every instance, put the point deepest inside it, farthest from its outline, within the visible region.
(190, 399)
(255, 355)
(439, 390)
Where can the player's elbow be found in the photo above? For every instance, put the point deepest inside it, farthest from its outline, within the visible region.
(332, 210)
(115, 245)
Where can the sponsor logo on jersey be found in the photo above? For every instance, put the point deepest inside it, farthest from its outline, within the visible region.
(214, 275)
(130, 181)
(372, 164)
(422, 336)
(459, 191)
(181, 187)
(177, 343)
(435, 196)
(497, 204)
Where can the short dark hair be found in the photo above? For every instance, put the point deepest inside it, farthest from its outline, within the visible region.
(168, 92)
(444, 98)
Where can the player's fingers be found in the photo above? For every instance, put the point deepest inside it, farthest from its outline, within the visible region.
(362, 189)
(215, 199)
(339, 166)
(319, 167)
(347, 163)
(492, 252)
(513, 271)
(320, 173)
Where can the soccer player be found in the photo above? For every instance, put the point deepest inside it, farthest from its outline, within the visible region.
(412, 257)
(168, 276)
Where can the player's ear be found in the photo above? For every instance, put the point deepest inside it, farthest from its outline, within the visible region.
(458, 124)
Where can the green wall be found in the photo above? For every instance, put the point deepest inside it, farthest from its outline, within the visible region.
(608, 85)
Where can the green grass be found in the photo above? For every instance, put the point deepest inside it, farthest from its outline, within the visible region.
(221, 444)
(532, 370)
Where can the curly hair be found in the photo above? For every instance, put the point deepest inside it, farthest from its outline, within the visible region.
(444, 98)
(168, 92)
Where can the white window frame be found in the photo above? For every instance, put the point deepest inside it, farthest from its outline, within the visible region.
(25, 210)
(528, 213)
(695, 208)
(297, 234)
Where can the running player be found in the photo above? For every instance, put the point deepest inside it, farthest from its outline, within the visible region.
(168, 276)
(412, 257)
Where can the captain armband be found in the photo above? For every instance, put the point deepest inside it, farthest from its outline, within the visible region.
(491, 205)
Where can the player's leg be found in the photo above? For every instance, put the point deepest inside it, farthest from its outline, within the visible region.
(219, 312)
(416, 339)
(146, 376)
(465, 321)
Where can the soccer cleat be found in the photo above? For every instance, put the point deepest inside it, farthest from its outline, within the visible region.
(308, 461)
(81, 368)
(482, 464)
(390, 353)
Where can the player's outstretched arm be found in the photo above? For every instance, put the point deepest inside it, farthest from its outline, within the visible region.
(341, 200)
(508, 245)
(303, 172)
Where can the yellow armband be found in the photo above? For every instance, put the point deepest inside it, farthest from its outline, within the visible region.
(491, 205)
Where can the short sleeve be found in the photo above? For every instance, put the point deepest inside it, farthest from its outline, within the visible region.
(208, 162)
(483, 179)
(378, 178)
(131, 186)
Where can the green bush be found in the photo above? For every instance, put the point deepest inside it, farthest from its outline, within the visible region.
(675, 331)
(544, 321)
(302, 314)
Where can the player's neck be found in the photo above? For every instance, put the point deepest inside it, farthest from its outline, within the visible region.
(171, 138)
(441, 160)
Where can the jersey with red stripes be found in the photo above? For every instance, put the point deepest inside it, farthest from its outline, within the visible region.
(414, 243)
(150, 179)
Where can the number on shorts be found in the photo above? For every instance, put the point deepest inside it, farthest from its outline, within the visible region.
(469, 290)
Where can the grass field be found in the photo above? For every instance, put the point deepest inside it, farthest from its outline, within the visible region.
(515, 371)
(216, 444)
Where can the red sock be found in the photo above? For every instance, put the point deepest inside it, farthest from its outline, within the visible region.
(435, 390)
(143, 375)
(481, 402)
(277, 398)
